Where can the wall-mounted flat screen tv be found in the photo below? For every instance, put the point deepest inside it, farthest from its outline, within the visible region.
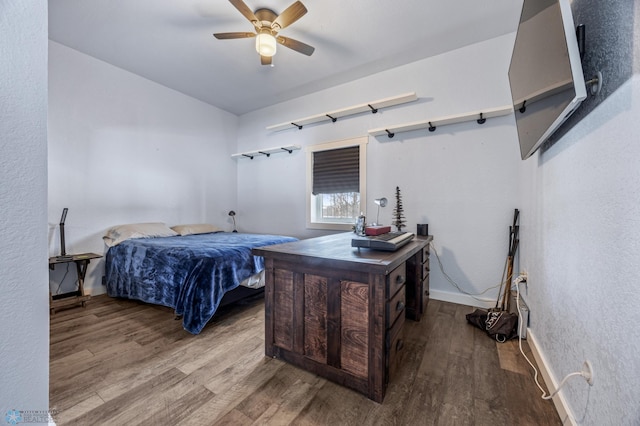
(545, 74)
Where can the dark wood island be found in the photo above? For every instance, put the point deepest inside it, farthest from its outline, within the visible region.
(338, 311)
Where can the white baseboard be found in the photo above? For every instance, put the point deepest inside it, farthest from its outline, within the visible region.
(558, 400)
(461, 299)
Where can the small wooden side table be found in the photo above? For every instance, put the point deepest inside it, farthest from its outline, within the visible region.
(75, 297)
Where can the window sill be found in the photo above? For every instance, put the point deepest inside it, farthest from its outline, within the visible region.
(331, 226)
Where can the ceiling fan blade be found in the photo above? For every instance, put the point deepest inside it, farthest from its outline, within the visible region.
(226, 36)
(296, 45)
(244, 9)
(289, 16)
(265, 60)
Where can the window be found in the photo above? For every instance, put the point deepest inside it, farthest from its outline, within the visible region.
(336, 183)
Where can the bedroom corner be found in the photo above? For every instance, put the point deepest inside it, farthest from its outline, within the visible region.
(123, 149)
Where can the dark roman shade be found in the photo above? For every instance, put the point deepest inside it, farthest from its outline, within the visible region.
(336, 171)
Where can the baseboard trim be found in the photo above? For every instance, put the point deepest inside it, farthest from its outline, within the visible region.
(461, 299)
(558, 401)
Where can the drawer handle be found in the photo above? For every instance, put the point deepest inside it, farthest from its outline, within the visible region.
(400, 279)
(399, 345)
(399, 306)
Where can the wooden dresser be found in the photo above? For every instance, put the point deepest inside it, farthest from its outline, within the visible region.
(339, 311)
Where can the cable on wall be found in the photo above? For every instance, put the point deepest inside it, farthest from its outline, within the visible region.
(456, 285)
(586, 374)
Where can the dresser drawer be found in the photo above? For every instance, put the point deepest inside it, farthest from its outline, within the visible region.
(425, 253)
(425, 261)
(395, 307)
(395, 347)
(425, 294)
(396, 279)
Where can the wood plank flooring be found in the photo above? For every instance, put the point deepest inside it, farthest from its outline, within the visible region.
(120, 362)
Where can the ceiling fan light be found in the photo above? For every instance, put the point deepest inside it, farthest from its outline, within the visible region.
(266, 44)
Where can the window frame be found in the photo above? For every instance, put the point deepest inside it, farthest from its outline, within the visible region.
(361, 142)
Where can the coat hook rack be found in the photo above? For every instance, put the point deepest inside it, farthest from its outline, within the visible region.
(267, 151)
(446, 120)
(389, 134)
(333, 115)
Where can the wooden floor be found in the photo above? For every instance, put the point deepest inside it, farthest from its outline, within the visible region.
(120, 362)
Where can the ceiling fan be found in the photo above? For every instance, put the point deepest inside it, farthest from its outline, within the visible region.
(267, 25)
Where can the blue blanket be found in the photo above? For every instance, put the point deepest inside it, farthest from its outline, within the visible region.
(187, 273)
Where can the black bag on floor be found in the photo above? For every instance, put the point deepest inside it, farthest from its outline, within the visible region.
(499, 325)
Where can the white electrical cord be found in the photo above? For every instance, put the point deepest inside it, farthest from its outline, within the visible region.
(517, 283)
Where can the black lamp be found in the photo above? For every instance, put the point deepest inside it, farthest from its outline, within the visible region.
(233, 216)
(63, 246)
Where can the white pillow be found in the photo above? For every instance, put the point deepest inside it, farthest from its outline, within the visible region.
(196, 228)
(120, 233)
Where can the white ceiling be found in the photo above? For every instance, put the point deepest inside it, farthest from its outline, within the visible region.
(170, 41)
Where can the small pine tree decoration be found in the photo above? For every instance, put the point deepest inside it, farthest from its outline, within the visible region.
(399, 221)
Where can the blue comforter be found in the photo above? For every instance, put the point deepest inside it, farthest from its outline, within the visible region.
(187, 273)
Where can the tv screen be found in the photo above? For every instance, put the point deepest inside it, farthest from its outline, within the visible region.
(545, 74)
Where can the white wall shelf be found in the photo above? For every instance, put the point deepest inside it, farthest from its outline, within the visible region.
(333, 116)
(434, 123)
(267, 152)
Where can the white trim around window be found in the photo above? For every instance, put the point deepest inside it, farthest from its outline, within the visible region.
(362, 143)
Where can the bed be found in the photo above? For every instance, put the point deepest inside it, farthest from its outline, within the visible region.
(189, 272)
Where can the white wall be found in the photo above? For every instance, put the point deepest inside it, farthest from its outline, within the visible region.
(24, 330)
(123, 149)
(581, 234)
(462, 179)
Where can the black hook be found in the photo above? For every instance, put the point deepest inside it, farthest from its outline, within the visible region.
(481, 120)
(334, 119)
(373, 110)
(288, 150)
(247, 155)
(432, 128)
(389, 133)
(268, 154)
(297, 125)
(523, 108)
